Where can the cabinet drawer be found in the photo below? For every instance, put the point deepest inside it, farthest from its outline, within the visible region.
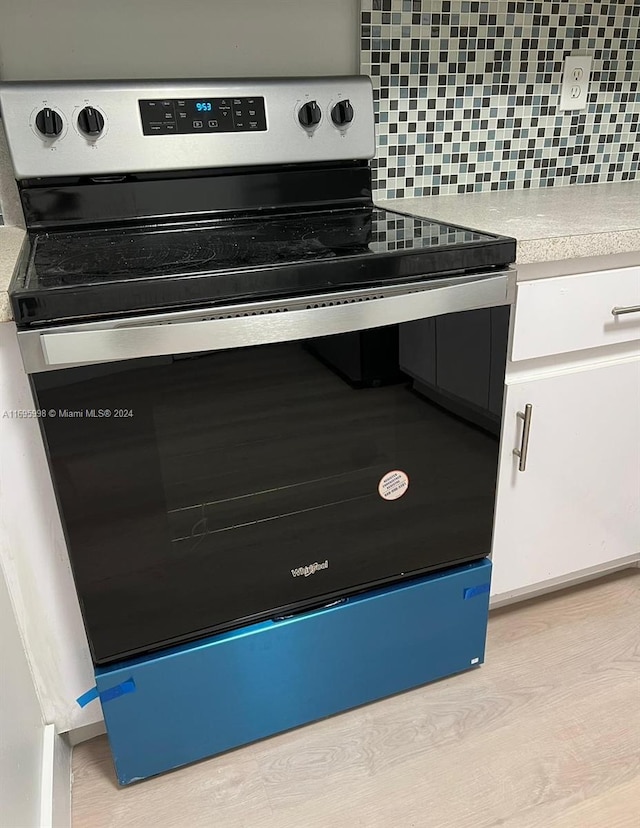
(571, 313)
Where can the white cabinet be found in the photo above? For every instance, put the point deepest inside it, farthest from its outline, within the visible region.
(576, 507)
(571, 313)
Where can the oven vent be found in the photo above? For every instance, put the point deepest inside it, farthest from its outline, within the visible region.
(348, 301)
(239, 314)
(292, 305)
(301, 303)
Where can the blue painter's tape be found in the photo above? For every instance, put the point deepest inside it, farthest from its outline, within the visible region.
(481, 589)
(87, 697)
(128, 686)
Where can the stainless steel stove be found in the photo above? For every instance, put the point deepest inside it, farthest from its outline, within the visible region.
(261, 392)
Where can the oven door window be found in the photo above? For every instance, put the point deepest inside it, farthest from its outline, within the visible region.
(199, 493)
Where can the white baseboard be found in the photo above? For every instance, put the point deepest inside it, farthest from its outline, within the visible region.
(55, 789)
(563, 582)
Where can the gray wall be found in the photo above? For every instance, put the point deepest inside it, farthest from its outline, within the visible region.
(64, 39)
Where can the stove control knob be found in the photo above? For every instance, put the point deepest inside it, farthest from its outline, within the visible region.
(342, 113)
(90, 121)
(309, 115)
(49, 123)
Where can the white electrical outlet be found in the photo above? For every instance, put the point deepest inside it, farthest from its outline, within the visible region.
(575, 82)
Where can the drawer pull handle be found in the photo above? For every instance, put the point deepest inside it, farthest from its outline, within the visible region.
(524, 443)
(628, 309)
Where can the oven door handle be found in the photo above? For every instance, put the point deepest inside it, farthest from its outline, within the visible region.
(258, 323)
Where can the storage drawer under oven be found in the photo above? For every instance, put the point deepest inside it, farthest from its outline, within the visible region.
(188, 702)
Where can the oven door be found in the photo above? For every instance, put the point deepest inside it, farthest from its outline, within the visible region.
(214, 468)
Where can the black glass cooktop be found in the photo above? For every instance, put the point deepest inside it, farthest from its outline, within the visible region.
(103, 272)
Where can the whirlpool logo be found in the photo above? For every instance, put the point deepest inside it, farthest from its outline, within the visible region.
(311, 569)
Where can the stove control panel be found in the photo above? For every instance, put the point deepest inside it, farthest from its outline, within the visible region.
(200, 116)
(97, 128)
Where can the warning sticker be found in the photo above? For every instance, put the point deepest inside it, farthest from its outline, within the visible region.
(393, 485)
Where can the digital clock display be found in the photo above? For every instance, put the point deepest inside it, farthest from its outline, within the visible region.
(199, 116)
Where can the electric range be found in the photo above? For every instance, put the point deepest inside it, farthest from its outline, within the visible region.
(271, 409)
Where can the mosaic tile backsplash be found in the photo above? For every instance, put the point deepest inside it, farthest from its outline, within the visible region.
(467, 94)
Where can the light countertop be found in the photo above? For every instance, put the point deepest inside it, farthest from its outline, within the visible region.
(549, 224)
(10, 243)
(11, 235)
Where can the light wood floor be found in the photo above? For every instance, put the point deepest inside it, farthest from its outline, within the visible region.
(545, 735)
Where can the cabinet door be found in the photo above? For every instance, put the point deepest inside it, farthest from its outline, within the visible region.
(576, 506)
